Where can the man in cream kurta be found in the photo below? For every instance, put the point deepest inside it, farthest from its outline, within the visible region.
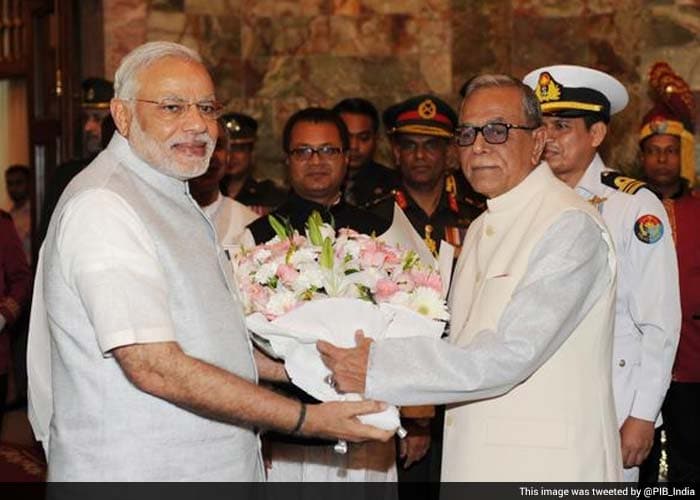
(527, 366)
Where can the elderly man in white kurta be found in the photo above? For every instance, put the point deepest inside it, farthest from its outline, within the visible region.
(140, 367)
(527, 366)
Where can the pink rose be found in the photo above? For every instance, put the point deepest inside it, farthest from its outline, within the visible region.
(372, 255)
(392, 256)
(257, 294)
(429, 279)
(279, 248)
(346, 231)
(385, 288)
(287, 273)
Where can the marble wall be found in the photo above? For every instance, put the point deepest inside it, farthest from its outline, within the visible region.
(272, 57)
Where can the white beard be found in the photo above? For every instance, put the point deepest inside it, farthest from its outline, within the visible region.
(160, 156)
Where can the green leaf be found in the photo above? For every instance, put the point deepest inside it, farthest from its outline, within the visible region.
(365, 293)
(326, 260)
(410, 260)
(290, 253)
(313, 225)
(279, 228)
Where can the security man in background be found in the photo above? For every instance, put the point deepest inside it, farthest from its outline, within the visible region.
(238, 183)
(97, 128)
(437, 200)
(577, 103)
(440, 205)
(667, 143)
(366, 179)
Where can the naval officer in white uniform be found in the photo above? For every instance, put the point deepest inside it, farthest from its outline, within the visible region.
(577, 103)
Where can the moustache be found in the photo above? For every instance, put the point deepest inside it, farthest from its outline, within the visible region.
(203, 137)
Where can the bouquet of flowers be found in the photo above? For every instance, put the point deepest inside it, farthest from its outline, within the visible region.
(298, 289)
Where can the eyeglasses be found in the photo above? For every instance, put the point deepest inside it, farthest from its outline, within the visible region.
(173, 109)
(305, 153)
(494, 133)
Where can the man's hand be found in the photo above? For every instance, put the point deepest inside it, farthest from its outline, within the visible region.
(637, 438)
(349, 366)
(268, 368)
(416, 443)
(339, 420)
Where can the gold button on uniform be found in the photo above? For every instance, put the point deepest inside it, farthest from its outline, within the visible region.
(490, 231)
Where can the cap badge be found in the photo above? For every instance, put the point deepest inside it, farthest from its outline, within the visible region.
(233, 126)
(659, 126)
(90, 95)
(427, 109)
(547, 88)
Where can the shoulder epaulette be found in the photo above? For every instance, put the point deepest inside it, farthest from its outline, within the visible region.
(621, 182)
(379, 199)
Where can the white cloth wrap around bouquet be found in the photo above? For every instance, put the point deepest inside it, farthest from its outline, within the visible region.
(293, 336)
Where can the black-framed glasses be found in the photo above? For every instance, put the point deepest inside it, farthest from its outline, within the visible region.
(325, 152)
(173, 109)
(494, 133)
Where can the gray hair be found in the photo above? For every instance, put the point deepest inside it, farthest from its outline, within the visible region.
(125, 83)
(530, 103)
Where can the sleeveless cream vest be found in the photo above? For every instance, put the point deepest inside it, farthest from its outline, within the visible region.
(559, 424)
(102, 427)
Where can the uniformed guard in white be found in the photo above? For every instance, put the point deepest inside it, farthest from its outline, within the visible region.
(577, 103)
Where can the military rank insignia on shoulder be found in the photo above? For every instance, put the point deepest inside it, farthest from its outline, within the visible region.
(621, 182)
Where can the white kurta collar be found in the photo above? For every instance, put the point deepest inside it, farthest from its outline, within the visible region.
(121, 148)
(522, 193)
(213, 207)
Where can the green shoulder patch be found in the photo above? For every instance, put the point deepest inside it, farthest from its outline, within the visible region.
(621, 182)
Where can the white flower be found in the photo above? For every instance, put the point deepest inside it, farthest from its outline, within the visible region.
(303, 255)
(265, 272)
(281, 302)
(427, 301)
(309, 276)
(327, 231)
(367, 277)
(352, 248)
(400, 298)
(260, 255)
